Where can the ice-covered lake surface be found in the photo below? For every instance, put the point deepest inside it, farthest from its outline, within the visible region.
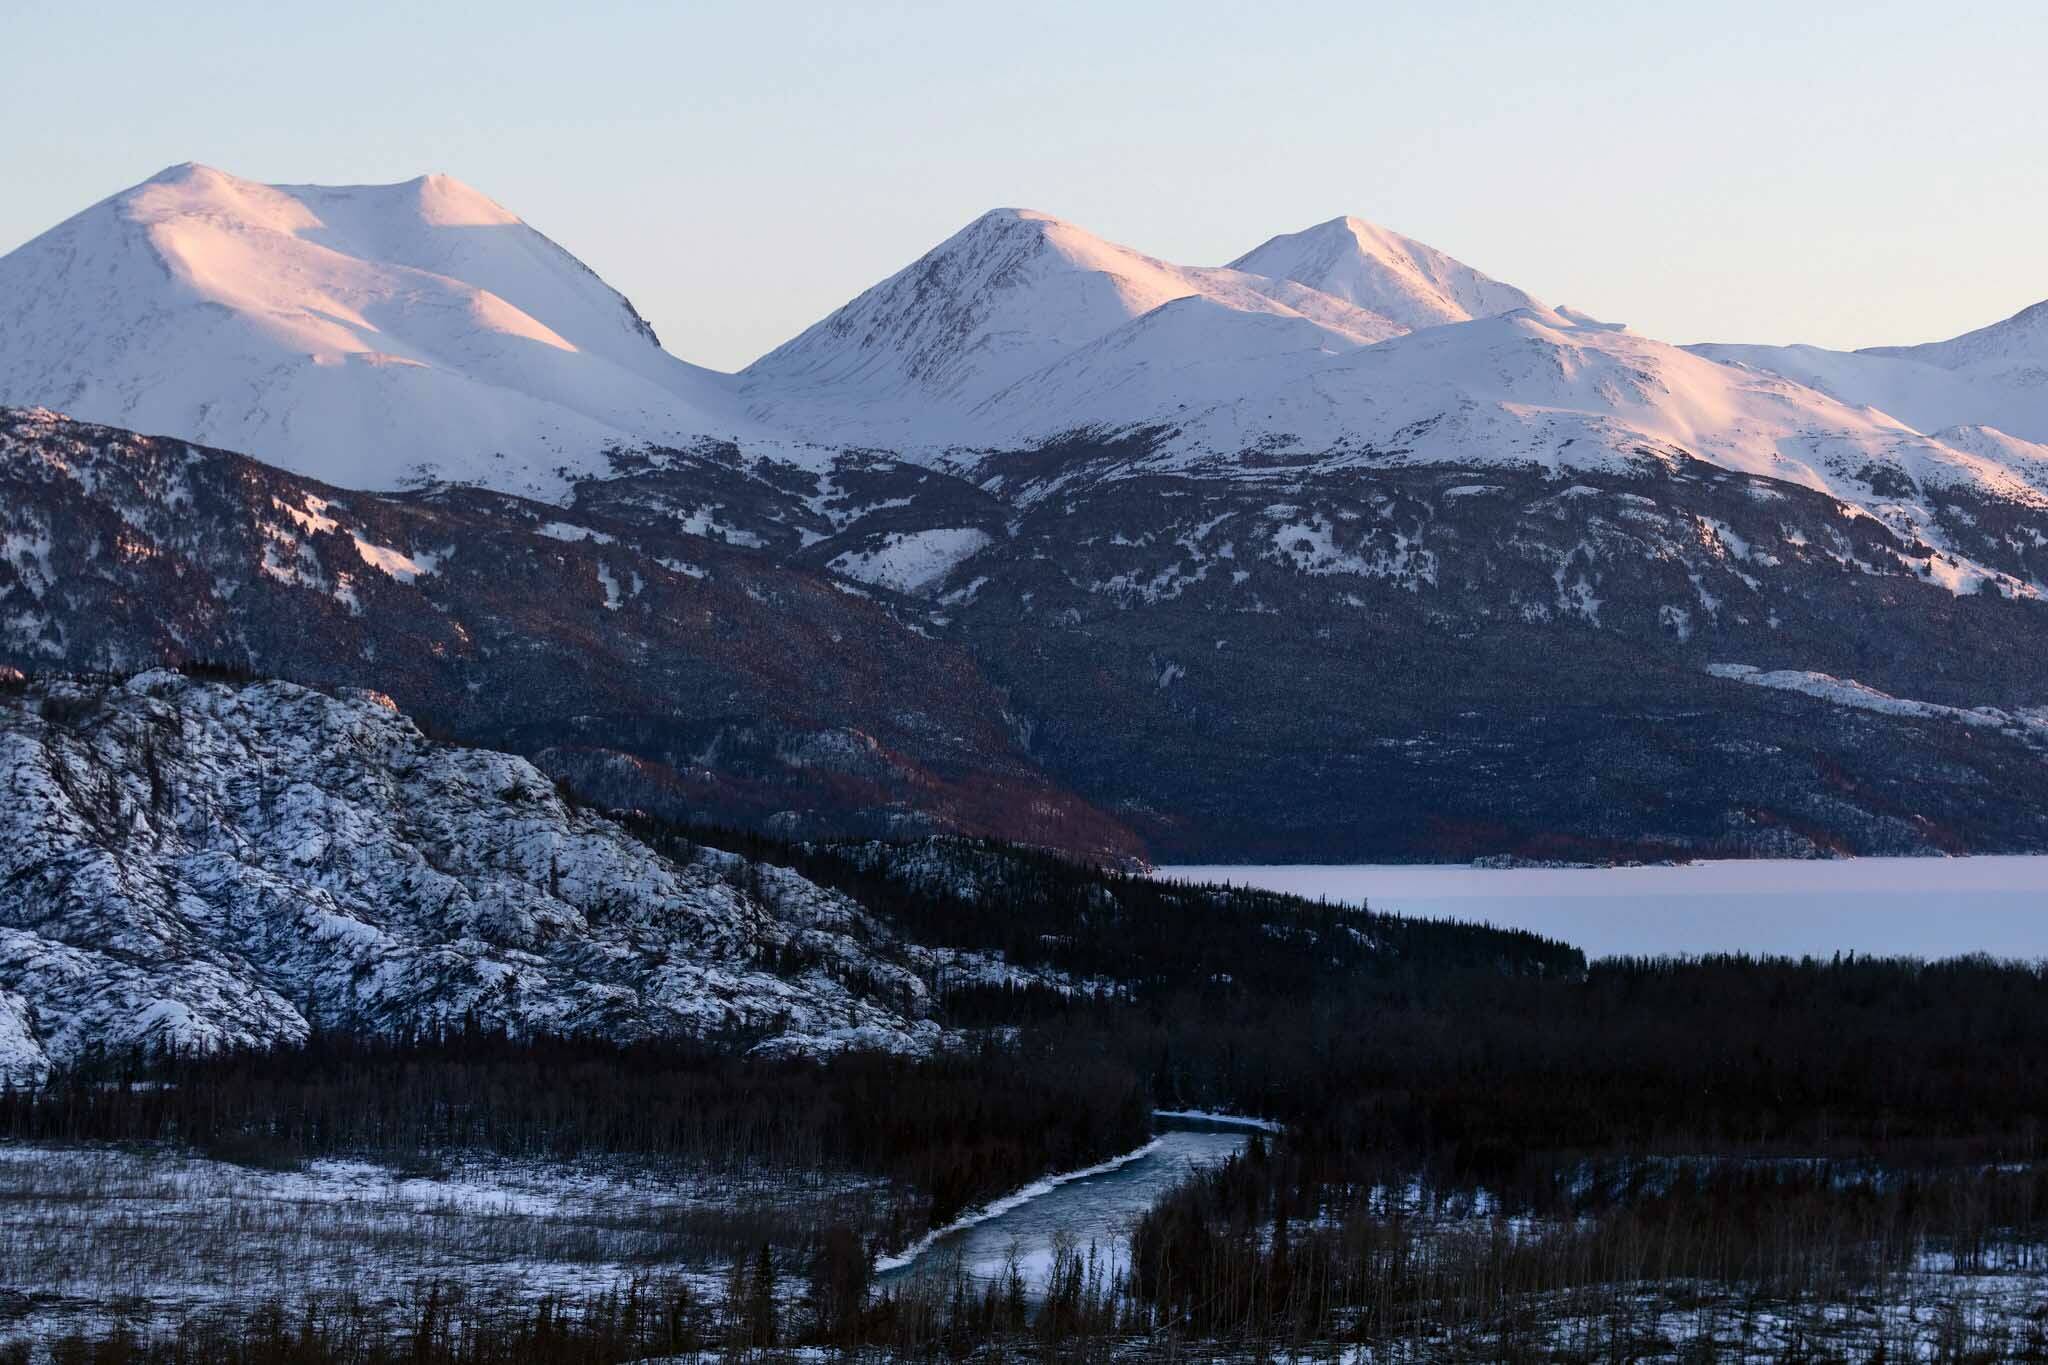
(1926, 907)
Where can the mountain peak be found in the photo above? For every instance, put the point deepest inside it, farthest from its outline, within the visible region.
(1011, 291)
(439, 199)
(915, 358)
(1346, 223)
(1015, 214)
(2021, 338)
(1384, 272)
(186, 170)
(1002, 229)
(190, 190)
(367, 334)
(445, 201)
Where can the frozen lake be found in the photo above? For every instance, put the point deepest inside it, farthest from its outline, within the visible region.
(1928, 907)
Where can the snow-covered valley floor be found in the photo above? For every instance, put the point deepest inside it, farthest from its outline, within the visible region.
(92, 1236)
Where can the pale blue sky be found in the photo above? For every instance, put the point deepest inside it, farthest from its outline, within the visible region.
(1837, 173)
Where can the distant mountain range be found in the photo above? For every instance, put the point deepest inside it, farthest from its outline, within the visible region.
(1344, 550)
(1993, 380)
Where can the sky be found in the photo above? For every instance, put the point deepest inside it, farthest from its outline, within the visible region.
(1840, 174)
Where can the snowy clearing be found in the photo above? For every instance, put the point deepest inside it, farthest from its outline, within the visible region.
(913, 561)
(88, 1235)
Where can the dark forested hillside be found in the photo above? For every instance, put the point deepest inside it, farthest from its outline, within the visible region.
(1135, 933)
(1286, 664)
(654, 666)
(1479, 1071)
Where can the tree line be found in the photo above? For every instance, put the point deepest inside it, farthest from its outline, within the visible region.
(957, 1129)
(1041, 909)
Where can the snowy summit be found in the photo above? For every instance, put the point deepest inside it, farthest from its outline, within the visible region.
(385, 336)
(373, 334)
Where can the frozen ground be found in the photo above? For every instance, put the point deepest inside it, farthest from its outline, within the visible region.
(91, 1236)
(1929, 907)
(1932, 1312)
(1919, 1318)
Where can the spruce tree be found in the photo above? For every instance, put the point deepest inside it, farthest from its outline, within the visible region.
(761, 1301)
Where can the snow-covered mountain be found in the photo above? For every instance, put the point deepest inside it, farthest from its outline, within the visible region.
(1535, 390)
(373, 335)
(910, 361)
(1395, 277)
(1339, 346)
(376, 336)
(1996, 376)
(197, 864)
(1345, 550)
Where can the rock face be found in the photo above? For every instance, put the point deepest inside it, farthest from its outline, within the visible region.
(193, 865)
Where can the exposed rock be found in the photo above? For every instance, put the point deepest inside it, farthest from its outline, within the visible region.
(196, 865)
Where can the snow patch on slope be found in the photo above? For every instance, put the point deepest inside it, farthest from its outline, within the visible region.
(2025, 723)
(912, 561)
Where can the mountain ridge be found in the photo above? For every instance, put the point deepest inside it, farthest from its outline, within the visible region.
(399, 335)
(1992, 376)
(1014, 291)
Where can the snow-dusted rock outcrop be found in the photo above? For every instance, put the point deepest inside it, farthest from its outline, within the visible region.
(197, 864)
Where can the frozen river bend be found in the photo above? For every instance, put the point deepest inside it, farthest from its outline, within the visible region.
(1926, 907)
(1095, 1208)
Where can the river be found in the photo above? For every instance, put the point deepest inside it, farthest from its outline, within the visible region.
(1095, 1208)
(1924, 907)
(1930, 907)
